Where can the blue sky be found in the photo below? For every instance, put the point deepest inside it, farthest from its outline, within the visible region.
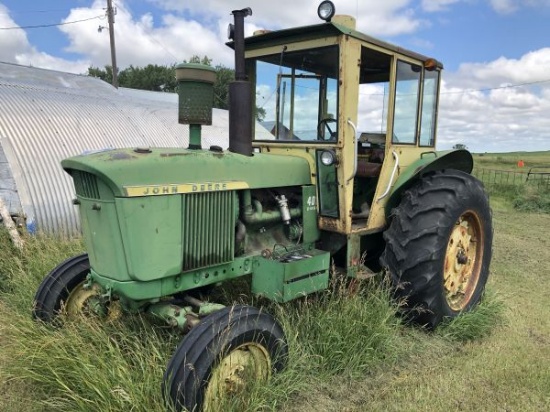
(488, 47)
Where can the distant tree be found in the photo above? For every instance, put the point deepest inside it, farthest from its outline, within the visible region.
(151, 77)
(201, 60)
(260, 113)
(104, 74)
(459, 146)
(163, 79)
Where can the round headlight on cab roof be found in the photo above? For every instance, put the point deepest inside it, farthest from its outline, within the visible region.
(326, 10)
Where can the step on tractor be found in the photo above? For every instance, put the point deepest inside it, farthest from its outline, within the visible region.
(293, 196)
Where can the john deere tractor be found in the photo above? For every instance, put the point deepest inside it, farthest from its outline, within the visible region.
(291, 198)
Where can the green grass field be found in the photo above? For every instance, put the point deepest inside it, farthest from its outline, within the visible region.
(538, 161)
(349, 352)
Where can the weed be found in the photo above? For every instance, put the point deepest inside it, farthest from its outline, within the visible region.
(475, 324)
(532, 199)
(339, 335)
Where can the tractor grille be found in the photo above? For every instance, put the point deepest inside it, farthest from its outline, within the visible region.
(85, 184)
(208, 229)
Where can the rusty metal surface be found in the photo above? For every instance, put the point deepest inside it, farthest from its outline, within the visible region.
(46, 116)
(463, 260)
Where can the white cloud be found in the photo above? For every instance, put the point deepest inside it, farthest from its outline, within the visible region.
(504, 6)
(511, 6)
(500, 6)
(532, 66)
(506, 117)
(390, 17)
(437, 5)
(140, 40)
(15, 48)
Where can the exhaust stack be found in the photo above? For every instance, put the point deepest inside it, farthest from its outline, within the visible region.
(240, 91)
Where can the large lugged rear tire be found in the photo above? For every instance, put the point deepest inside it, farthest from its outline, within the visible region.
(219, 357)
(62, 289)
(438, 246)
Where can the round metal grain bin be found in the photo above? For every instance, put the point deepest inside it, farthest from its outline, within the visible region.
(196, 93)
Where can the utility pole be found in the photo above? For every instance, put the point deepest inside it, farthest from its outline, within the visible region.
(111, 20)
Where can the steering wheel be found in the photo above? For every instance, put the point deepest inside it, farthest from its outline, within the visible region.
(324, 123)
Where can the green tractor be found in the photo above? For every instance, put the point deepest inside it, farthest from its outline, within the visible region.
(284, 204)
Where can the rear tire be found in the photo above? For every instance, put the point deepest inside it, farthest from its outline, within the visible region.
(438, 246)
(214, 360)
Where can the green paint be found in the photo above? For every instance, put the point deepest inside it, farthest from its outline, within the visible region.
(328, 188)
(124, 167)
(151, 235)
(208, 229)
(428, 162)
(283, 281)
(311, 231)
(179, 316)
(194, 136)
(168, 313)
(196, 94)
(103, 238)
(209, 307)
(136, 290)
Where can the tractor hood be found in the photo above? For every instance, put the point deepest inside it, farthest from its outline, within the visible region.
(140, 172)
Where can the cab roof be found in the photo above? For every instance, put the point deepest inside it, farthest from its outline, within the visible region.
(280, 37)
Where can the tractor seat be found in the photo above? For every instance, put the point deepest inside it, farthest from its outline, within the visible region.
(368, 169)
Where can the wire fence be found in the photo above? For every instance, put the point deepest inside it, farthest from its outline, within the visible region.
(491, 177)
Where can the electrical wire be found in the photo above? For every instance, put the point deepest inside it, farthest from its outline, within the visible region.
(40, 11)
(40, 26)
(150, 37)
(488, 89)
(510, 86)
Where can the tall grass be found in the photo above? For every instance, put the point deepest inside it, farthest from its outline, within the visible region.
(476, 324)
(87, 365)
(342, 333)
(524, 197)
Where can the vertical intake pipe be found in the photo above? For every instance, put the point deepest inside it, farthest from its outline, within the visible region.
(196, 98)
(240, 92)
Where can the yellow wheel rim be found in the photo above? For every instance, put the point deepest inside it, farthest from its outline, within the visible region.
(243, 366)
(463, 260)
(80, 300)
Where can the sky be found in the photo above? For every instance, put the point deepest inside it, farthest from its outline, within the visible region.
(495, 93)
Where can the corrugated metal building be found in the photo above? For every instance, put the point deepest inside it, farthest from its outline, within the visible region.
(46, 116)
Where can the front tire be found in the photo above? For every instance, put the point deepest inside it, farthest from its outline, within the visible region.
(438, 246)
(221, 356)
(62, 290)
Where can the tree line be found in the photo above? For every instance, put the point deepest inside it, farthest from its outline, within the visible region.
(161, 78)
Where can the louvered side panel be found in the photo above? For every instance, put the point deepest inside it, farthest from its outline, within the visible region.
(208, 229)
(85, 184)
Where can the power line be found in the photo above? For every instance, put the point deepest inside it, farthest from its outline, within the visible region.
(40, 26)
(39, 11)
(151, 38)
(488, 89)
(510, 86)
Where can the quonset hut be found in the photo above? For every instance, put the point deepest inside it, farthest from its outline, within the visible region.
(46, 116)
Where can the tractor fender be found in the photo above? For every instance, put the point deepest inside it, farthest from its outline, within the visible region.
(428, 162)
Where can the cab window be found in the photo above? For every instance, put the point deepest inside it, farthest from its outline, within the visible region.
(407, 94)
(298, 92)
(429, 108)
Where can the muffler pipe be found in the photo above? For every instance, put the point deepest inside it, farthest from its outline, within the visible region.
(240, 92)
